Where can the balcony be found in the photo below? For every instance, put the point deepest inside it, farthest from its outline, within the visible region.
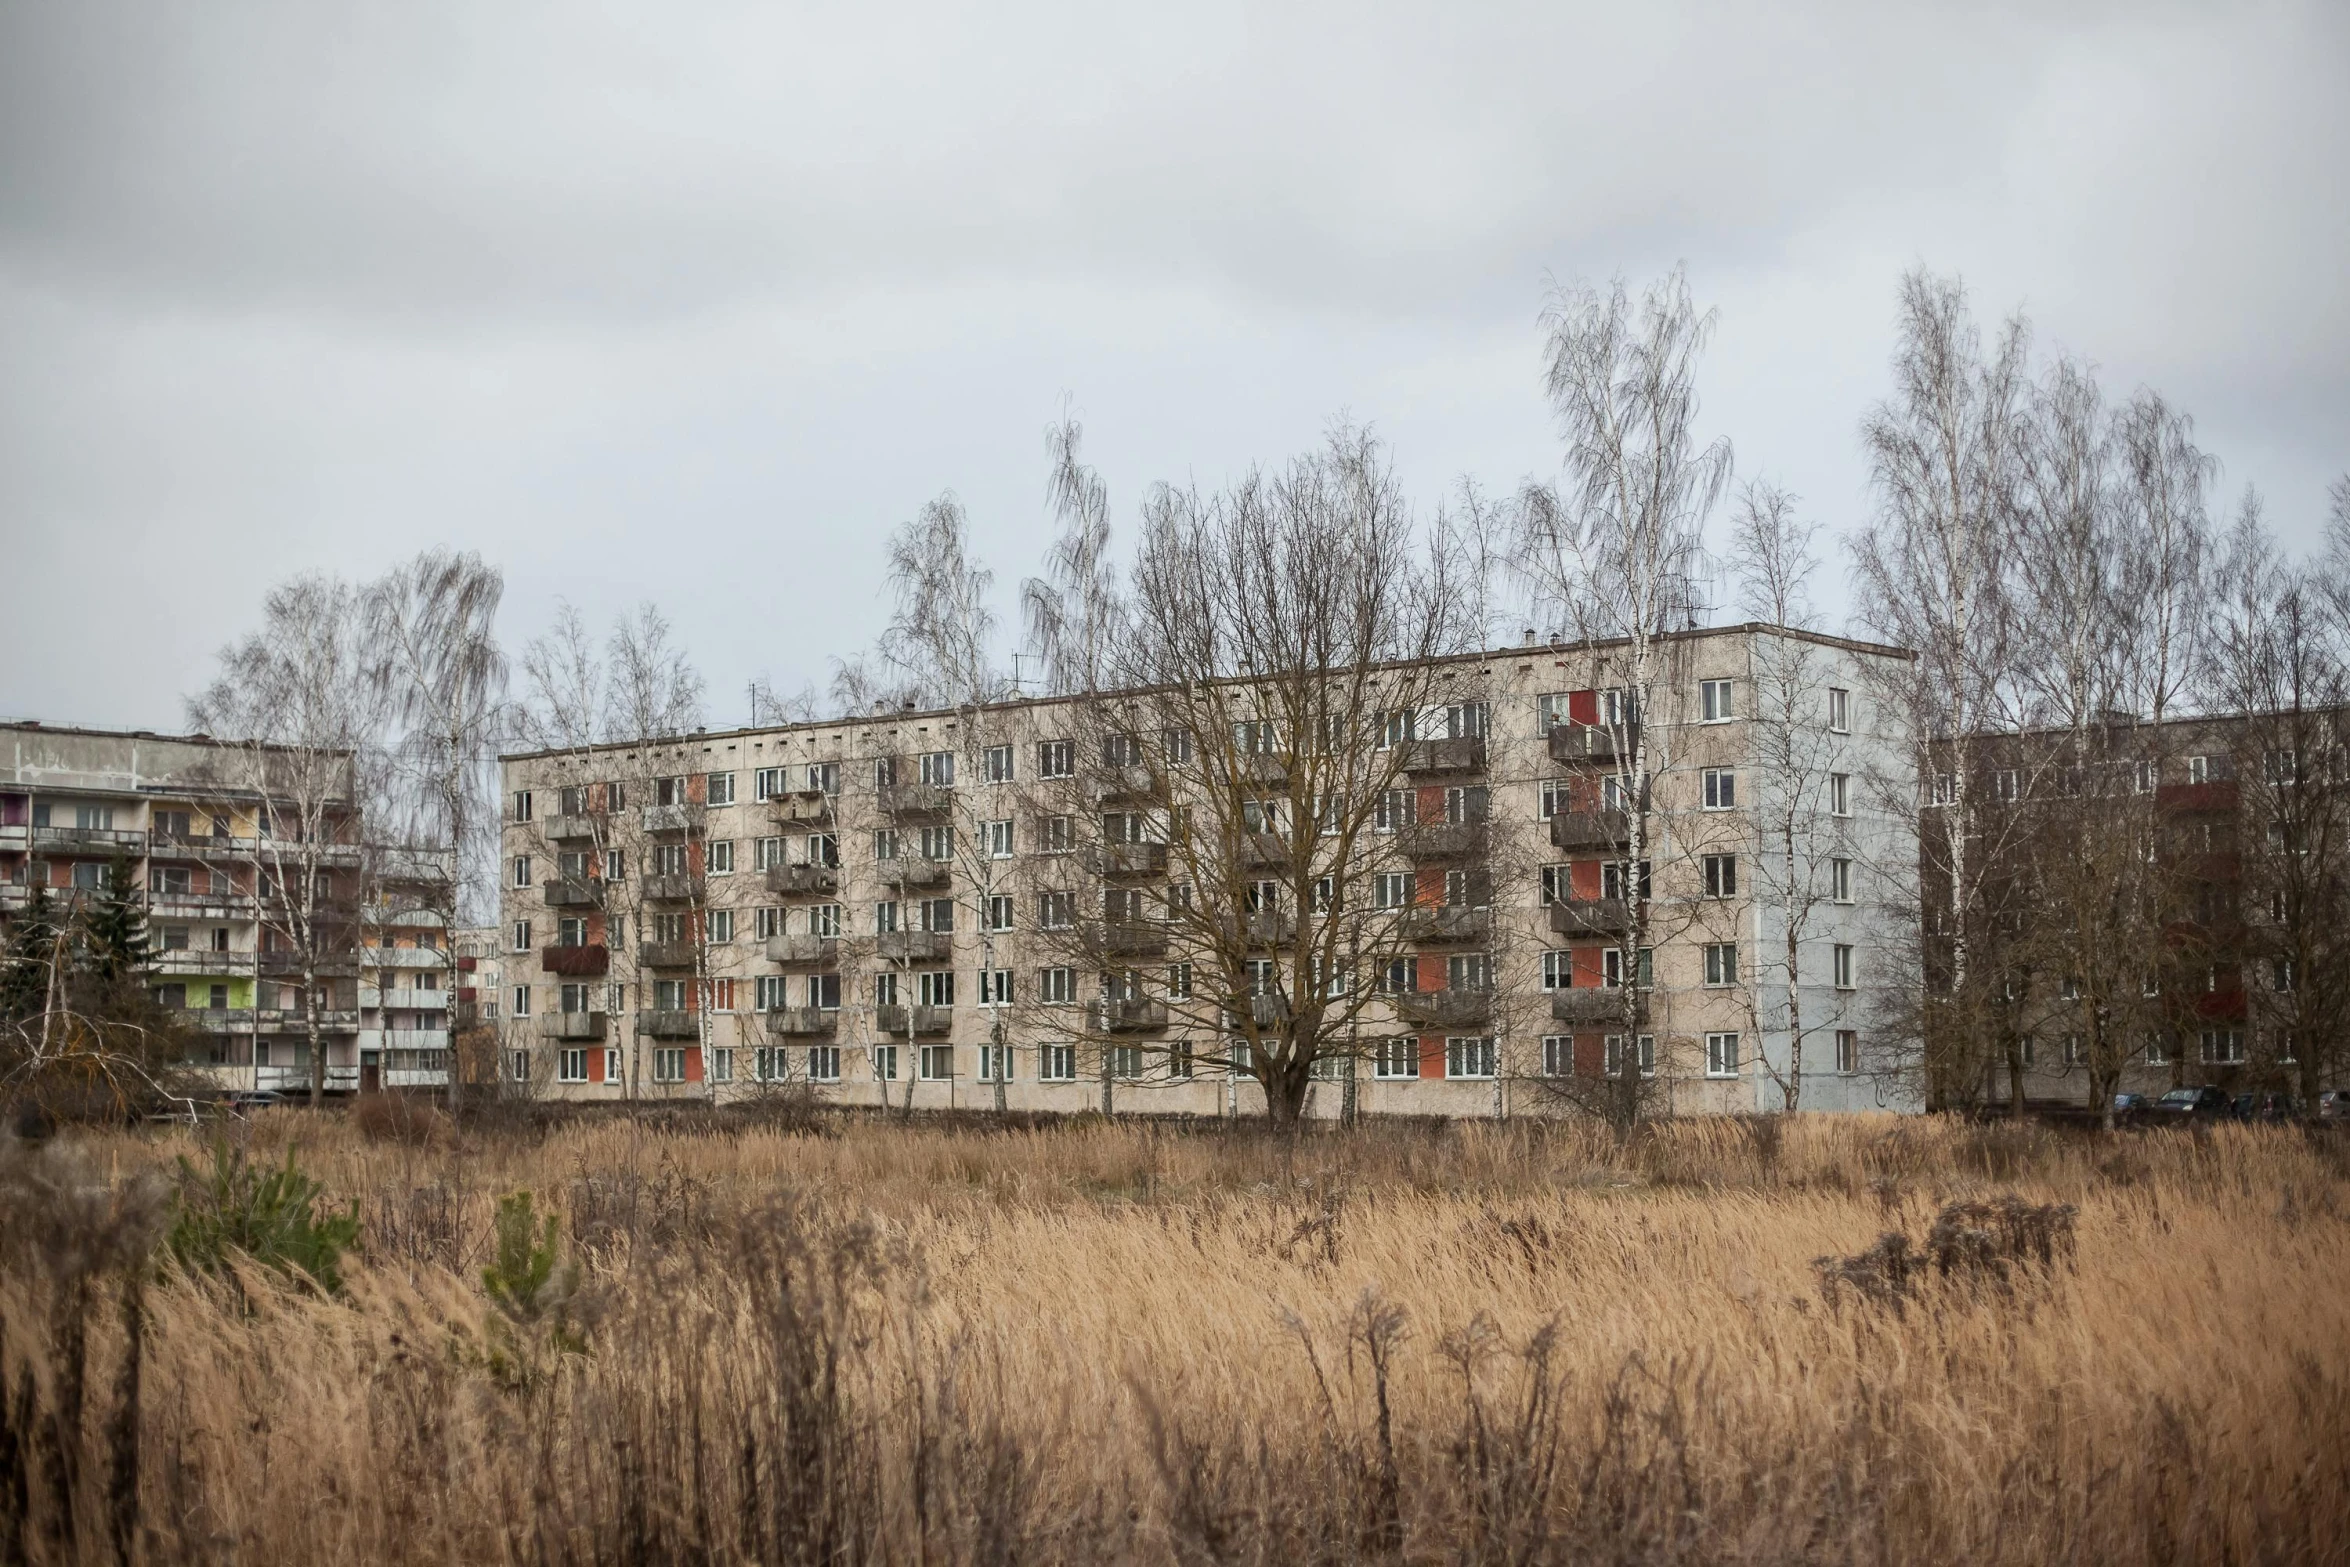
(1126, 783)
(1589, 1005)
(1263, 850)
(915, 875)
(1443, 840)
(665, 954)
(667, 818)
(1590, 917)
(296, 1079)
(1128, 861)
(571, 1026)
(1590, 830)
(1128, 1017)
(673, 889)
(218, 1020)
(193, 960)
(801, 1022)
(405, 957)
(570, 829)
(669, 1025)
(1428, 757)
(1133, 939)
(791, 881)
(412, 1039)
(193, 905)
(589, 960)
(407, 1000)
(1268, 1011)
(88, 841)
(1576, 744)
(805, 809)
(824, 950)
(211, 848)
(1448, 925)
(288, 965)
(916, 800)
(291, 1021)
(914, 946)
(1446, 1010)
(900, 1021)
(575, 892)
(1262, 769)
(1268, 930)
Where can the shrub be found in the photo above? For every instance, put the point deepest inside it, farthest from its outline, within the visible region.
(396, 1118)
(269, 1215)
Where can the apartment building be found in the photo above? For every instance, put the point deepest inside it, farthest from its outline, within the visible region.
(878, 906)
(208, 854)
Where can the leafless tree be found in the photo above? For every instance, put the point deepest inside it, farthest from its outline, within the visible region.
(1614, 548)
(432, 630)
(302, 720)
(1946, 457)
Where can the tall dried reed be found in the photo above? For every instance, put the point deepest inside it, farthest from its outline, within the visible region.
(875, 1341)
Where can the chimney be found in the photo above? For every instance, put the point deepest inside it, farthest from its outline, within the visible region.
(1529, 636)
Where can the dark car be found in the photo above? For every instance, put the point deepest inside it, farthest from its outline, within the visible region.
(2193, 1104)
(2129, 1109)
(2267, 1107)
(2333, 1105)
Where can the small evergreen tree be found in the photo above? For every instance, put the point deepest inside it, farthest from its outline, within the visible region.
(24, 962)
(116, 933)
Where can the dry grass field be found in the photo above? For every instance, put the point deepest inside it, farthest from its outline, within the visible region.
(866, 1341)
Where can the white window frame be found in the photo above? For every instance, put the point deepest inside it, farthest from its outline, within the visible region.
(1721, 964)
(1840, 965)
(1719, 786)
(1558, 1055)
(1840, 794)
(1716, 703)
(1847, 1051)
(1722, 1056)
(824, 1063)
(1056, 1061)
(718, 788)
(1558, 968)
(1471, 1058)
(1611, 1058)
(1396, 1059)
(571, 1066)
(1839, 880)
(1839, 711)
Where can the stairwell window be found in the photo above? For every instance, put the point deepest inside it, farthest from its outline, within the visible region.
(1721, 963)
(1839, 711)
(885, 1062)
(1714, 701)
(522, 805)
(1720, 788)
(522, 870)
(1839, 794)
(1841, 965)
(1847, 1051)
(1840, 881)
(1721, 875)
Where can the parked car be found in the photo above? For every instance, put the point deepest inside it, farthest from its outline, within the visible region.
(2334, 1105)
(2267, 1107)
(2129, 1109)
(2193, 1104)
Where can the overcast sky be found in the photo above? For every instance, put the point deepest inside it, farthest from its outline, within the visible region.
(697, 302)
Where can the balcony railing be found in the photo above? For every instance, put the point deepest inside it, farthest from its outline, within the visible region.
(1590, 830)
(917, 800)
(570, 829)
(1448, 925)
(411, 1000)
(194, 960)
(405, 957)
(801, 1022)
(1445, 756)
(589, 960)
(1268, 930)
(218, 1020)
(1133, 939)
(914, 946)
(669, 1025)
(296, 1079)
(288, 965)
(1573, 744)
(1127, 783)
(575, 892)
(1124, 861)
(805, 808)
(915, 874)
(803, 949)
(667, 818)
(800, 880)
(899, 1021)
(665, 954)
(1128, 1017)
(1263, 850)
(571, 1025)
(1443, 840)
(209, 847)
(673, 889)
(188, 903)
(1590, 916)
(1589, 1004)
(89, 840)
(290, 1020)
(1446, 1009)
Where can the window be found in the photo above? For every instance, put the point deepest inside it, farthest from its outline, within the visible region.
(1391, 890)
(522, 870)
(996, 912)
(1178, 745)
(2280, 767)
(1840, 881)
(1178, 982)
(885, 989)
(1839, 711)
(935, 988)
(995, 764)
(1713, 701)
(766, 853)
(718, 788)
(766, 784)
(1721, 963)
(995, 1063)
(1056, 1063)
(521, 1001)
(824, 919)
(995, 839)
(1396, 1057)
(2027, 1050)
(1612, 1062)
(721, 926)
(1467, 1057)
(1126, 1061)
(2199, 769)
(1256, 737)
(885, 772)
(937, 1063)
(1611, 966)
(1557, 884)
(1840, 965)
(995, 987)
(2223, 1046)
(2143, 779)
(770, 992)
(885, 843)
(612, 1068)
(2157, 1050)
(570, 1066)
(1056, 910)
(1721, 1055)
(766, 923)
(721, 857)
(1558, 1055)
(1721, 875)
(721, 1064)
(938, 843)
(1839, 794)
(1558, 969)
(1056, 986)
(938, 769)
(885, 915)
(522, 805)
(824, 1063)
(824, 777)
(1056, 759)
(885, 1062)
(1847, 1051)
(1557, 798)
(669, 859)
(1056, 834)
(616, 865)
(1721, 789)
